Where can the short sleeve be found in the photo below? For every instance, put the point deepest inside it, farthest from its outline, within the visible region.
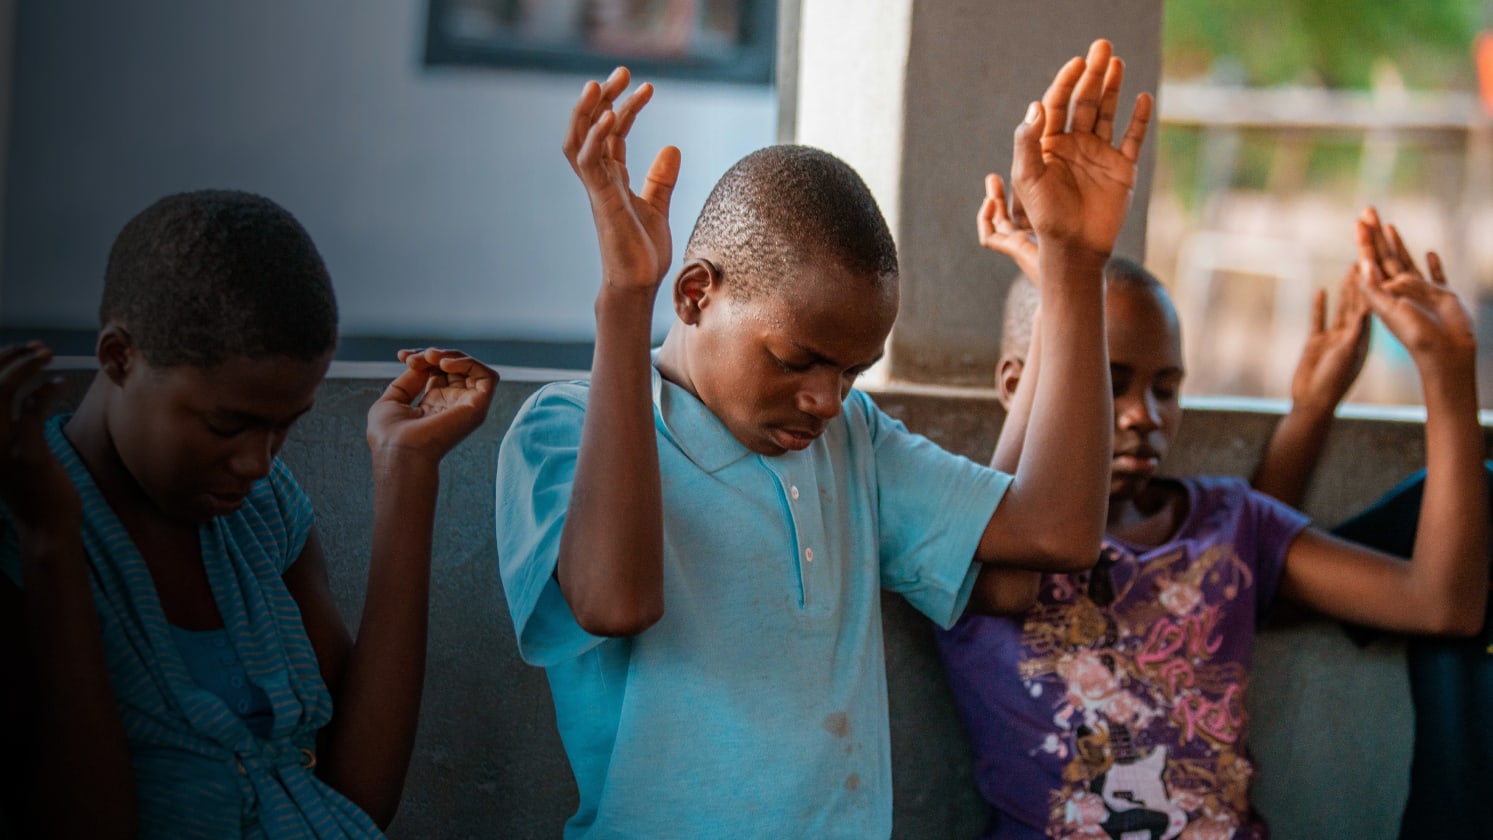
(536, 471)
(933, 508)
(1276, 525)
(295, 512)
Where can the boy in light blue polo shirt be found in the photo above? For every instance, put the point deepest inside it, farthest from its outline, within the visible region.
(693, 543)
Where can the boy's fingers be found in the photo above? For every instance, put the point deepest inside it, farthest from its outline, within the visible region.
(985, 219)
(588, 162)
(1135, 132)
(407, 385)
(580, 119)
(658, 188)
(1318, 323)
(1109, 101)
(1059, 94)
(1433, 265)
(1397, 247)
(630, 108)
(1026, 153)
(1084, 111)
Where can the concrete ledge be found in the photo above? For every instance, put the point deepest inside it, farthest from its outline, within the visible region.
(489, 763)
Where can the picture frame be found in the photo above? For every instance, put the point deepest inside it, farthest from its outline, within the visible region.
(707, 40)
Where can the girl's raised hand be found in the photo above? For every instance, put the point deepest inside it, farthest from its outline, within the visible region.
(442, 396)
(1335, 351)
(633, 229)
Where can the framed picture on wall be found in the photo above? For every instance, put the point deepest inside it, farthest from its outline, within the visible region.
(718, 40)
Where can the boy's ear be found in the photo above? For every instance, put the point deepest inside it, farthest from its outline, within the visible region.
(116, 352)
(1007, 377)
(698, 279)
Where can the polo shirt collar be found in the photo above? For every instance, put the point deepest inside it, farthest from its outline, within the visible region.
(698, 433)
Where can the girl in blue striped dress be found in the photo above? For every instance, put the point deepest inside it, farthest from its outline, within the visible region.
(173, 662)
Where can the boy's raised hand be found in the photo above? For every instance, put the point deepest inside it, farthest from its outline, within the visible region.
(33, 484)
(1334, 353)
(633, 229)
(1073, 183)
(1424, 314)
(1006, 230)
(440, 398)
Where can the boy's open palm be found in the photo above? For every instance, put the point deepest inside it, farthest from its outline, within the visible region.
(633, 229)
(1072, 182)
(33, 484)
(454, 392)
(1424, 314)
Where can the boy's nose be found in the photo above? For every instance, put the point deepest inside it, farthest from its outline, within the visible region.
(1137, 413)
(823, 403)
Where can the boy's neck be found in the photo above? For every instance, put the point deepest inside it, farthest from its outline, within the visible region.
(672, 360)
(1150, 517)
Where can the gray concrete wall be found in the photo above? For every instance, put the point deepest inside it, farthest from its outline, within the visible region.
(488, 762)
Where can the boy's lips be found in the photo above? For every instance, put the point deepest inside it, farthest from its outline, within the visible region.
(792, 440)
(1142, 460)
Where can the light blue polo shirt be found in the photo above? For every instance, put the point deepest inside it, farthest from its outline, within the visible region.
(757, 706)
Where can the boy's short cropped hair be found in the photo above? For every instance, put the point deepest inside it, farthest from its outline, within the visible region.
(1022, 299)
(1017, 315)
(200, 277)
(782, 206)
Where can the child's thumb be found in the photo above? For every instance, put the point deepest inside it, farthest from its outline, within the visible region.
(1026, 152)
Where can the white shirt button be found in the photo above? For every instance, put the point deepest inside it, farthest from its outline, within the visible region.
(793, 492)
(809, 554)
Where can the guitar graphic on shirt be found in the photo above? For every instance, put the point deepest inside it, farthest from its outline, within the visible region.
(1135, 794)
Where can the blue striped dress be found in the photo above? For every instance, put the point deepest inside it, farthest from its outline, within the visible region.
(199, 771)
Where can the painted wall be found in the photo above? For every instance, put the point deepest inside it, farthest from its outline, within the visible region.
(439, 197)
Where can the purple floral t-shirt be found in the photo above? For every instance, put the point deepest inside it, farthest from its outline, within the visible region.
(1115, 707)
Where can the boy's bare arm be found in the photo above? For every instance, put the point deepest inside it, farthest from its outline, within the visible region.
(610, 567)
(1329, 364)
(53, 648)
(376, 682)
(1443, 589)
(1075, 187)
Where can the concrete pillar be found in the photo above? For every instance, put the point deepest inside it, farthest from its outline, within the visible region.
(921, 98)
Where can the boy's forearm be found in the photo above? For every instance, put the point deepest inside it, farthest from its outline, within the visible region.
(1291, 456)
(610, 566)
(86, 784)
(1061, 491)
(378, 706)
(1452, 537)
(1012, 440)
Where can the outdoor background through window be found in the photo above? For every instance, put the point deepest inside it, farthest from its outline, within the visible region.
(1280, 121)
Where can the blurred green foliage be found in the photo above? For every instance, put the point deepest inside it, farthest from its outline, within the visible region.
(1333, 43)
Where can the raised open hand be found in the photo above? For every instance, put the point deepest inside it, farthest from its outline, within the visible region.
(440, 398)
(1006, 230)
(1425, 315)
(1334, 353)
(633, 229)
(1074, 184)
(33, 483)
